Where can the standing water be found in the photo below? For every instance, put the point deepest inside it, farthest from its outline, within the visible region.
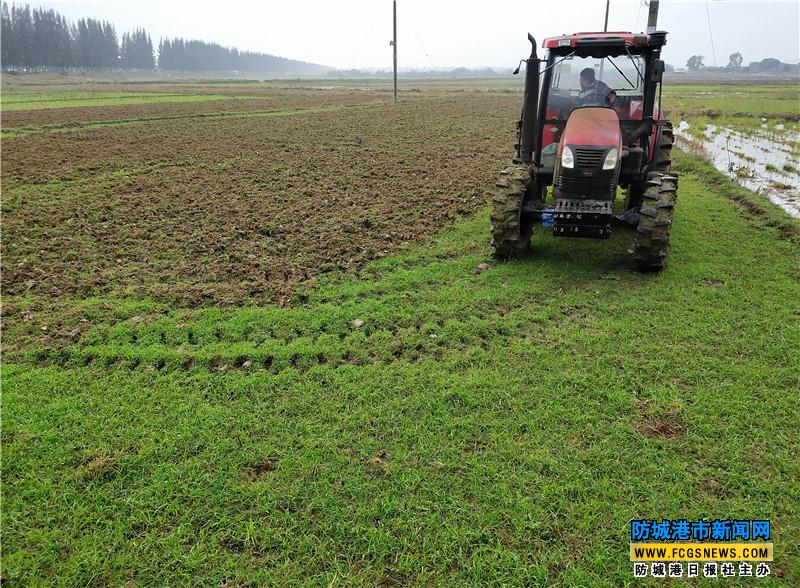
(765, 162)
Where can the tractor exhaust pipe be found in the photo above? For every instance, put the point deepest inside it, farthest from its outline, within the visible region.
(528, 131)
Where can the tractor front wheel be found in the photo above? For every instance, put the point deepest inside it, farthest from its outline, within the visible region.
(655, 221)
(511, 232)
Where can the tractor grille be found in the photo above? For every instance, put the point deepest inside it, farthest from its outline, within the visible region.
(588, 157)
(587, 186)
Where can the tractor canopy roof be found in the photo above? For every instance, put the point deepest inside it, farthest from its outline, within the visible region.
(605, 43)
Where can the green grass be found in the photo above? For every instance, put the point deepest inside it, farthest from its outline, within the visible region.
(286, 446)
(754, 99)
(44, 100)
(746, 108)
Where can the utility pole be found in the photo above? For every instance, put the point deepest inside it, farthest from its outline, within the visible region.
(394, 45)
(652, 17)
(605, 30)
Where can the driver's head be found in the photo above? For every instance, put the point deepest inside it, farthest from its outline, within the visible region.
(587, 77)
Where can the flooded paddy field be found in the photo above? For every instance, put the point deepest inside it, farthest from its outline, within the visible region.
(763, 161)
(749, 132)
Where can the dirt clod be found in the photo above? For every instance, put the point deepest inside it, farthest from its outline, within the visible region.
(713, 283)
(260, 469)
(378, 461)
(660, 427)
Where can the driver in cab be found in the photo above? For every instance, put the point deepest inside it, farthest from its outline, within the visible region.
(593, 91)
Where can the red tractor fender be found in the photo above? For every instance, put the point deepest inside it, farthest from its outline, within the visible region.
(592, 126)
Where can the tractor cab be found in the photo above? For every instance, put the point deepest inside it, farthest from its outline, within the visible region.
(591, 122)
(626, 65)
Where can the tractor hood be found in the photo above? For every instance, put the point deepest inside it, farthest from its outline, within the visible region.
(592, 126)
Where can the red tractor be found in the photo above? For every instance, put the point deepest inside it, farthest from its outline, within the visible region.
(596, 126)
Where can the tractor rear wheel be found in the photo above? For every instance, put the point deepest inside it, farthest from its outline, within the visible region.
(511, 232)
(662, 162)
(655, 221)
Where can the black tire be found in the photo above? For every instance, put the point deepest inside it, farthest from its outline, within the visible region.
(655, 222)
(662, 162)
(511, 234)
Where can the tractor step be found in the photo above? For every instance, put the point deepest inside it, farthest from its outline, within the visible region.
(583, 218)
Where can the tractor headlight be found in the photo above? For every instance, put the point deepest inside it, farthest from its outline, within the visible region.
(610, 160)
(567, 158)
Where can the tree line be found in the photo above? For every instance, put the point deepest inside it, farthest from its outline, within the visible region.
(43, 38)
(770, 65)
(182, 55)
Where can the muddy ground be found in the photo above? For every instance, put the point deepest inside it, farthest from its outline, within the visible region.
(241, 209)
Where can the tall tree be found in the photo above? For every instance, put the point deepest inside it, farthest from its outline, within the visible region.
(95, 44)
(137, 50)
(44, 38)
(125, 51)
(144, 50)
(8, 46)
(51, 38)
(695, 62)
(22, 23)
(735, 60)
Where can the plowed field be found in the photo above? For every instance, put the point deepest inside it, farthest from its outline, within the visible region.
(226, 210)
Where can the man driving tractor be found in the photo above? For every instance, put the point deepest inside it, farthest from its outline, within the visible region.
(593, 91)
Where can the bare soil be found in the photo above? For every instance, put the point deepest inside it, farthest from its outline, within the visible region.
(241, 209)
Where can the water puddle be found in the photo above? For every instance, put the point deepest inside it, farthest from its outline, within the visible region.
(766, 161)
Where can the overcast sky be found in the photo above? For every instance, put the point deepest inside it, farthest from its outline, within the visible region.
(356, 33)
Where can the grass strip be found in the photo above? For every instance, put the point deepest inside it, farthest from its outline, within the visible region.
(480, 427)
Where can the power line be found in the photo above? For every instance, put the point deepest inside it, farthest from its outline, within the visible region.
(364, 40)
(639, 14)
(416, 34)
(711, 36)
